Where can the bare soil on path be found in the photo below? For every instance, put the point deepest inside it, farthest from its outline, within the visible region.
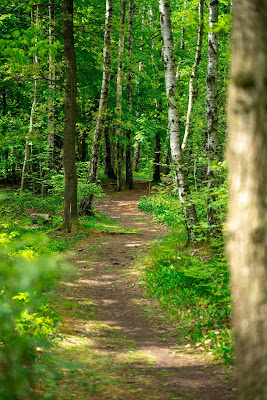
(141, 359)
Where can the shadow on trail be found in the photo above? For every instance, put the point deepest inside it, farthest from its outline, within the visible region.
(106, 314)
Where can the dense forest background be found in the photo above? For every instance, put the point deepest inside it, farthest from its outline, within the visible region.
(33, 92)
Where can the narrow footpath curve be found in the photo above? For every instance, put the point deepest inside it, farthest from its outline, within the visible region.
(141, 359)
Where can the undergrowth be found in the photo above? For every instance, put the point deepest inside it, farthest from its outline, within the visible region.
(191, 285)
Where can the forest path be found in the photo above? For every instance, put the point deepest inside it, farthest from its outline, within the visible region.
(126, 356)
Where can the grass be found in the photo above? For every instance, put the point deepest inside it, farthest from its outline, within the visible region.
(191, 285)
(15, 211)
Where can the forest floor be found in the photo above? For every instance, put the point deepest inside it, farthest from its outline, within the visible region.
(118, 343)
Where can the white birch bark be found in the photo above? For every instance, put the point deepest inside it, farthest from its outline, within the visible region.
(211, 111)
(247, 220)
(173, 117)
(182, 47)
(27, 150)
(86, 204)
(71, 222)
(194, 74)
(119, 98)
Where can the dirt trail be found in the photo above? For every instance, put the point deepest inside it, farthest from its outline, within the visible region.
(149, 364)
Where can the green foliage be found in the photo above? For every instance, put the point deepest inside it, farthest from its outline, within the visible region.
(27, 320)
(192, 286)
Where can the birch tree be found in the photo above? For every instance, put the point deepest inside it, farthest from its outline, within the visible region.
(173, 117)
(212, 112)
(70, 193)
(247, 220)
(194, 73)
(27, 150)
(86, 203)
(119, 146)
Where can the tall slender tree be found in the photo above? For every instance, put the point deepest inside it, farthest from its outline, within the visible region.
(247, 220)
(212, 113)
(70, 194)
(128, 155)
(86, 203)
(157, 149)
(119, 147)
(35, 10)
(194, 73)
(173, 117)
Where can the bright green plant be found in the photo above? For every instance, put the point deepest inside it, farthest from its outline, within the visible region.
(27, 321)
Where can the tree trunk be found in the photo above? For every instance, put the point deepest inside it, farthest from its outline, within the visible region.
(247, 221)
(129, 167)
(182, 47)
(86, 203)
(119, 152)
(136, 162)
(166, 166)
(109, 170)
(157, 149)
(52, 85)
(27, 151)
(212, 114)
(137, 146)
(173, 117)
(70, 194)
(194, 75)
(157, 159)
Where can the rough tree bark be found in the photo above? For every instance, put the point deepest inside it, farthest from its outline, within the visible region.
(119, 147)
(86, 203)
(194, 74)
(173, 117)
(247, 220)
(212, 114)
(129, 168)
(70, 194)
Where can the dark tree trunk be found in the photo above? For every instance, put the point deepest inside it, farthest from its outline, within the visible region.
(157, 159)
(119, 144)
(137, 151)
(86, 203)
(109, 170)
(70, 194)
(166, 167)
(128, 155)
